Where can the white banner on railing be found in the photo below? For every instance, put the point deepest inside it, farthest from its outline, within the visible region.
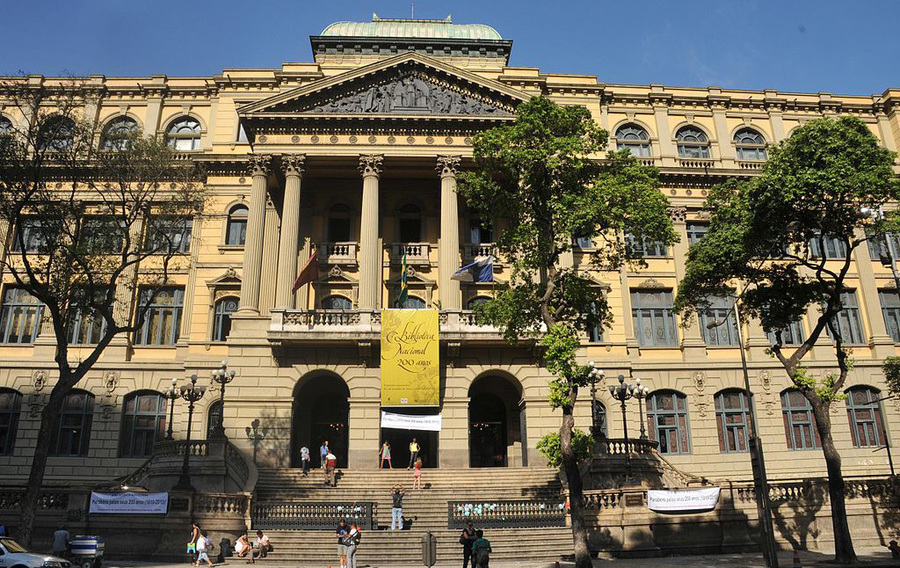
(430, 422)
(129, 503)
(669, 500)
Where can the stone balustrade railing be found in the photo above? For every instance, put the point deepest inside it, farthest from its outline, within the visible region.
(620, 446)
(296, 515)
(338, 253)
(219, 505)
(506, 514)
(361, 323)
(416, 253)
(473, 251)
(196, 448)
(696, 163)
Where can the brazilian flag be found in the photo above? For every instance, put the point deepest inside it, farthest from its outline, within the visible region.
(404, 285)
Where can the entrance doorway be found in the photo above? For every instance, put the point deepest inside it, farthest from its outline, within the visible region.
(400, 440)
(496, 432)
(321, 412)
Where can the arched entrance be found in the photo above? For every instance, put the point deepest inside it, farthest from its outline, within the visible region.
(321, 412)
(497, 423)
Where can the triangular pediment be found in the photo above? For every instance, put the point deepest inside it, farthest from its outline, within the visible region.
(407, 85)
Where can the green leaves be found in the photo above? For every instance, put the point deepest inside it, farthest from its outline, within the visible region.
(549, 447)
(891, 368)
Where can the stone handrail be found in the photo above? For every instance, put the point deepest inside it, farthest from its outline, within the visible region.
(473, 251)
(620, 446)
(506, 514)
(416, 253)
(697, 163)
(338, 253)
(297, 515)
(219, 505)
(196, 448)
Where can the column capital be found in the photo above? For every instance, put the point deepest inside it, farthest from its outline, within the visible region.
(259, 165)
(447, 165)
(677, 214)
(371, 164)
(293, 164)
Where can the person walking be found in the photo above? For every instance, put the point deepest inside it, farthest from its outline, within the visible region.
(330, 466)
(467, 539)
(481, 550)
(417, 474)
(61, 540)
(323, 451)
(203, 546)
(352, 544)
(397, 508)
(304, 460)
(342, 531)
(386, 455)
(413, 452)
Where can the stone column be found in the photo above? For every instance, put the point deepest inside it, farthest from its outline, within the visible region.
(253, 246)
(369, 252)
(448, 252)
(290, 231)
(880, 341)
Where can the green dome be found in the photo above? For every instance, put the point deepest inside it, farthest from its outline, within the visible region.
(438, 29)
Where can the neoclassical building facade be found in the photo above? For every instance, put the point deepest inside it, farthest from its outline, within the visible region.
(354, 156)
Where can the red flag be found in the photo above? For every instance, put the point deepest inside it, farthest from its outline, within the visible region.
(310, 272)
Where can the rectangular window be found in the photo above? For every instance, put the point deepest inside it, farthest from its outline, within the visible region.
(103, 235)
(791, 335)
(162, 321)
(847, 321)
(33, 237)
(890, 307)
(170, 235)
(645, 247)
(721, 309)
(75, 420)
(834, 247)
(480, 233)
(885, 246)
(654, 321)
(20, 316)
(696, 231)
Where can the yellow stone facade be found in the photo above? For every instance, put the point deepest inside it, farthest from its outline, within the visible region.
(354, 155)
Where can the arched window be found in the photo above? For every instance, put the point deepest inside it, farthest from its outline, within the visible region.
(6, 126)
(10, 405)
(470, 305)
(184, 134)
(668, 421)
(692, 143)
(213, 418)
(413, 303)
(337, 303)
(222, 320)
(143, 423)
(599, 419)
(410, 224)
(236, 232)
(864, 412)
(732, 420)
(633, 138)
(57, 134)
(750, 145)
(119, 134)
(799, 422)
(339, 228)
(75, 419)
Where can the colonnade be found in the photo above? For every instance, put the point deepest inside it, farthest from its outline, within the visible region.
(370, 251)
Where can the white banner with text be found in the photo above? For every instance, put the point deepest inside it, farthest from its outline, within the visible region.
(668, 500)
(430, 422)
(129, 503)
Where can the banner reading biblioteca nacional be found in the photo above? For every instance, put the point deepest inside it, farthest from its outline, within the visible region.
(410, 348)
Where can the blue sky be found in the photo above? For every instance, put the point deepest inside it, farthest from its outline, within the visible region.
(789, 45)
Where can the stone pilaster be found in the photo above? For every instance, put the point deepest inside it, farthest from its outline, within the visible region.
(448, 251)
(691, 336)
(190, 290)
(881, 343)
(253, 246)
(370, 270)
(290, 231)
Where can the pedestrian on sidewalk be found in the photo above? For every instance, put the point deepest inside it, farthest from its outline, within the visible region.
(481, 550)
(61, 540)
(385, 455)
(397, 507)
(353, 539)
(203, 546)
(304, 460)
(330, 466)
(413, 452)
(323, 451)
(417, 474)
(342, 531)
(467, 539)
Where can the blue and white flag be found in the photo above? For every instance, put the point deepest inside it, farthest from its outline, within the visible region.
(482, 270)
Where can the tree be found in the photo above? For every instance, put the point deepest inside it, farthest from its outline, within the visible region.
(788, 238)
(80, 221)
(541, 176)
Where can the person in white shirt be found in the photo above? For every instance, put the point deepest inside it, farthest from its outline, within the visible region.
(304, 460)
(262, 545)
(203, 544)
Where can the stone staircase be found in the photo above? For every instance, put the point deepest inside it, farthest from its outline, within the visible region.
(423, 510)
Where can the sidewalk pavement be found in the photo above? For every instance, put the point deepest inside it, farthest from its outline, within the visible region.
(869, 558)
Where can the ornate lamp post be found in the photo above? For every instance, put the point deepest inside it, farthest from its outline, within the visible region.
(222, 376)
(171, 395)
(622, 393)
(640, 393)
(191, 393)
(255, 435)
(596, 376)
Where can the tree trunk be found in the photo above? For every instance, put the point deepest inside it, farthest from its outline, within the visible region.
(843, 543)
(45, 438)
(576, 493)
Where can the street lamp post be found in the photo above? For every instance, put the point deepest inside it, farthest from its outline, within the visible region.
(622, 393)
(171, 395)
(191, 393)
(596, 376)
(755, 446)
(640, 393)
(222, 376)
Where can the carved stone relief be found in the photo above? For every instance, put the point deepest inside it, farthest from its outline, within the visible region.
(39, 380)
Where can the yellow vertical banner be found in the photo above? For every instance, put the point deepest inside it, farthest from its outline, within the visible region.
(410, 358)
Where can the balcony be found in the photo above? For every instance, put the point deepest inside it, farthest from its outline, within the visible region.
(696, 163)
(473, 251)
(417, 254)
(343, 254)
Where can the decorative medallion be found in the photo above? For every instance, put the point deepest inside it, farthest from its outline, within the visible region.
(765, 378)
(672, 192)
(703, 193)
(429, 140)
(263, 138)
(468, 141)
(701, 409)
(242, 179)
(333, 139)
(295, 139)
(59, 185)
(699, 381)
(770, 407)
(335, 272)
(410, 140)
(689, 192)
(372, 139)
(106, 411)
(39, 380)
(111, 381)
(448, 140)
(391, 139)
(314, 139)
(353, 139)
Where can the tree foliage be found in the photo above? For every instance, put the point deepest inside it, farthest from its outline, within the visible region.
(891, 368)
(826, 186)
(549, 447)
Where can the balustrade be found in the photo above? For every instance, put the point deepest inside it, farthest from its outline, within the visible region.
(750, 165)
(696, 163)
(296, 515)
(473, 251)
(197, 448)
(338, 253)
(506, 514)
(416, 253)
(219, 505)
